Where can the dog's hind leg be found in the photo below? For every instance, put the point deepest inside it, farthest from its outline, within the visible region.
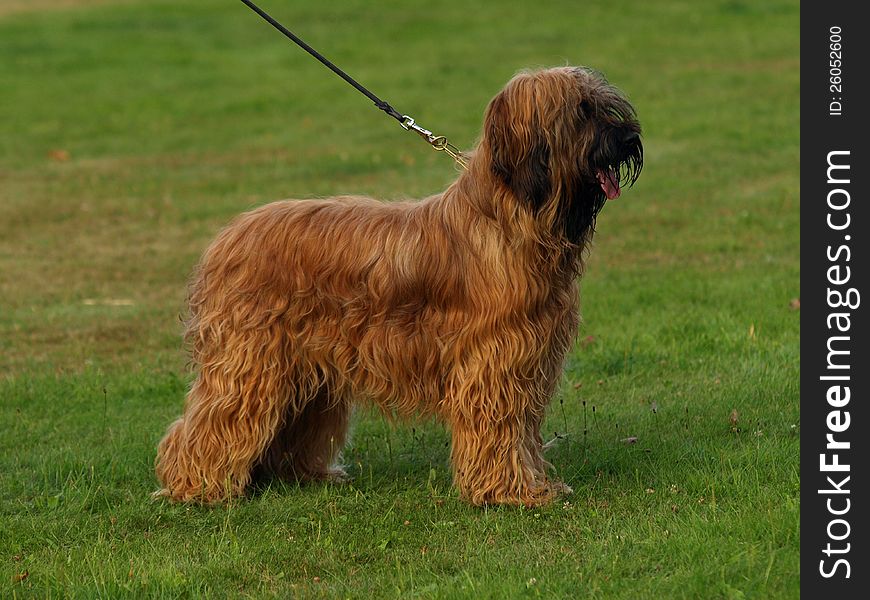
(233, 411)
(308, 446)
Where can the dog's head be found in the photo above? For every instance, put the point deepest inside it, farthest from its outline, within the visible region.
(563, 141)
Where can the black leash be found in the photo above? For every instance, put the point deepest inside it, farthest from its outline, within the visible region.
(438, 142)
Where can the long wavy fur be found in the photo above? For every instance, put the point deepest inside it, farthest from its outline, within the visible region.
(461, 306)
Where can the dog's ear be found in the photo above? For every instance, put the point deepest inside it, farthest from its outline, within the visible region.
(515, 137)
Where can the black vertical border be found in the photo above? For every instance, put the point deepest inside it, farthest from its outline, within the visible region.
(822, 133)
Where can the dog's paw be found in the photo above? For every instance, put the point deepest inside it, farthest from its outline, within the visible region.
(337, 475)
(561, 489)
(543, 493)
(333, 475)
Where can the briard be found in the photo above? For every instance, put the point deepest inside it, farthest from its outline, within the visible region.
(460, 306)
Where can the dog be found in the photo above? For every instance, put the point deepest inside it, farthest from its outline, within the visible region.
(460, 306)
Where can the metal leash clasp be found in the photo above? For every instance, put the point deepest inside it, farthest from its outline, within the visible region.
(441, 144)
(438, 142)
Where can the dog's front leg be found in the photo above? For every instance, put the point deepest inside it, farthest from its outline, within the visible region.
(496, 452)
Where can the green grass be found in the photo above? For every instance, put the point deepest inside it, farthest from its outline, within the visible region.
(132, 131)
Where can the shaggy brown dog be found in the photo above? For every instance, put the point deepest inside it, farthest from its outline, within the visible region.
(462, 306)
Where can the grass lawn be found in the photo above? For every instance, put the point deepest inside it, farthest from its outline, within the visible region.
(130, 132)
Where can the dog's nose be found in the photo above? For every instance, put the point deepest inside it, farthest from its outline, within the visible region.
(630, 137)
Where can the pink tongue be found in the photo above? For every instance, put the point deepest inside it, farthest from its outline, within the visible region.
(609, 184)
